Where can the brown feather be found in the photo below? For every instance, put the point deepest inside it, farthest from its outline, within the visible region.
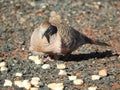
(64, 41)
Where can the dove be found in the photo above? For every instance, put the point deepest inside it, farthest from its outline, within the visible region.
(40, 44)
(57, 37)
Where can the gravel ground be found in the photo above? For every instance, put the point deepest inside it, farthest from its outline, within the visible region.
(98, 19)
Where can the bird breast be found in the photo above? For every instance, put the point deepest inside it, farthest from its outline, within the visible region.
(55, 45)
(39, 44)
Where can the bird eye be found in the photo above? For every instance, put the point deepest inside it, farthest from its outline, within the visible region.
(52, 29)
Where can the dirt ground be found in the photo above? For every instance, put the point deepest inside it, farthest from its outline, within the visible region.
(98, 19)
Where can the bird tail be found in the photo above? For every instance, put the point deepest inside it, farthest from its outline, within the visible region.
(100, 43)
(90, 41)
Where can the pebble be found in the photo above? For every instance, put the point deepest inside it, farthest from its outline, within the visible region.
(21, 20)
(7, 83)
(103, 72)
(96, 77)
(92, 88)
(99, 3)
(72, 77)
(46, 66)
(36, 59)
(62, 73)
(35, 81)
(26, 84)
(2, 64)
(3, 18)
(23, 84)
(18, 83)
(97, 7)
(36, 78)
(18, 74)
(119, 57)
(61, 66)
(23, 48)
(78, 82)
(34, 88)
(56, 86)
(38, 13)
(32, 4)
(33, 58)
(44, 6)
(4, 68)
(11, 2)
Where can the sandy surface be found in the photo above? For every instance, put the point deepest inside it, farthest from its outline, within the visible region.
(98, 20)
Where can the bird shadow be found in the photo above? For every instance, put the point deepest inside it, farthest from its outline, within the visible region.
(79, 57)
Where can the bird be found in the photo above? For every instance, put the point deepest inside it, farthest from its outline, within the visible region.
(55, 37)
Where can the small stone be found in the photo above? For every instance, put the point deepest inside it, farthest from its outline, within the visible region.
(39, 13)
(78, 82)
(56, 86)
(96, 77)
(7, 83)
(72, 77)
(119, 57)
(46, 66)
(97, 7)
(78, 73)
(34, 88)
(33, 58)
(99, 3)
(3, 17)
(92, 88)
(4, 68)
(43, 6)
(36, 78)
(23, 48)
(13, 11)
(11, 2)
(21, 20)
(38, 61)
(35, 81)
(18, 74)
(62, 73)
(103, 72)
(61, 66)
(2, 64)
(26, 84)
(19, 83)
(32, 4)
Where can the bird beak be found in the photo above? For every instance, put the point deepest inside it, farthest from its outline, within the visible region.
(47, 36)
(49, 32)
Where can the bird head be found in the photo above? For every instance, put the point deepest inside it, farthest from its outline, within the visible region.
(47, 30)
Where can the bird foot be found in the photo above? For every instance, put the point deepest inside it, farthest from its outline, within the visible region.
(48, 58)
